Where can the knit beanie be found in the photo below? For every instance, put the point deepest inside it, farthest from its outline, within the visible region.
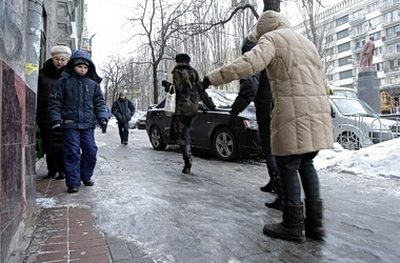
(182, 58)
(61, 51)
(80, 61)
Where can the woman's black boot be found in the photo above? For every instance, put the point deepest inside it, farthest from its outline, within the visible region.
(187, 157)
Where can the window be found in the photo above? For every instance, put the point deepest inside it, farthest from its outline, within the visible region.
(344, 47)
(358, 14)
(374, 22)
(342, 34)
(345, 61)
(330, 77)
(376, 35)
(329, 51)
(342, 20)
(373, 6)
(329, 39)
(346, 74)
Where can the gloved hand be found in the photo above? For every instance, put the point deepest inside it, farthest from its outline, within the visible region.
(164, 83)
(206, 82)
(56, 126)
(103, 125)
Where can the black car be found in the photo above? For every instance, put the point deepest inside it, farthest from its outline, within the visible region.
(214, 130)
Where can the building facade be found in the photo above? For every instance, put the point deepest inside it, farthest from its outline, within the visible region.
(349, 25)
(28, 29)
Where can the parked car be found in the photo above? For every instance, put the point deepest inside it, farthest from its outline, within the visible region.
(141, 122)
(342, 91)
(134, 119)
(357, 125)
(213, 130)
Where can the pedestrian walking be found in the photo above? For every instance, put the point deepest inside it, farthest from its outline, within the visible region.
(301, 123)
(188, 91)
(52, 140)
(123, 109)
(76, 106)
(256, 88)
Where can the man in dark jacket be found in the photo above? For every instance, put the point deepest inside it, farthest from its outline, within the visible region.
(76, 106)
(52, 140)
(256, 88)
(123, 109)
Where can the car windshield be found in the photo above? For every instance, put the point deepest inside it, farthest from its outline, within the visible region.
(351, 107)
(345, 93)
(222, 99)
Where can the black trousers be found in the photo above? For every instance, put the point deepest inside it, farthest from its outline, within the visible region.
(290, 167)
(123, 128)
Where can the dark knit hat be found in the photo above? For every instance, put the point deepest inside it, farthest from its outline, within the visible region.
(81, 61)
(182, 58)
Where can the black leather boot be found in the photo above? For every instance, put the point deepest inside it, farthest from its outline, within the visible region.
(291, 228)
(313, 222)
(268, 188)
(187, 157)
(274, 174)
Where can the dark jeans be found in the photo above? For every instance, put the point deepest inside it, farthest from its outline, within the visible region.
(288, 167)
(80, 156)
(123, 128)
(263, 108)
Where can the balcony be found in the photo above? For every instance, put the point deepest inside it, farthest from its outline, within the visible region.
(390, 56)
(387, 40)
(358, 34)
(389, 6)
(357, 20)
(389, 71)
(357, 49)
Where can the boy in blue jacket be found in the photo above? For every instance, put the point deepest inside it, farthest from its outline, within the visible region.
(76, 106)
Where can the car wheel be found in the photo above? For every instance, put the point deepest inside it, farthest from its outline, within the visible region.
(225, 145)
(349, 141)
(156, 139)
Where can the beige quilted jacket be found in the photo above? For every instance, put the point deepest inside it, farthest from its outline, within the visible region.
(301, 120)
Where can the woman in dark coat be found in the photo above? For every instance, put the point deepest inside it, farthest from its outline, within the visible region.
(52, 140)
(188, 90)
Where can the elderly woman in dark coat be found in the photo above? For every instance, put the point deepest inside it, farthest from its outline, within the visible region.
(52, 140)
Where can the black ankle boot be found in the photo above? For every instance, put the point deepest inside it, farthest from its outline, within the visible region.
(277, 204)
(269, 188)
(187, 157)
(188, 165)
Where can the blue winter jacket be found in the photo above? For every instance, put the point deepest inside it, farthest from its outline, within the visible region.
(76, 101)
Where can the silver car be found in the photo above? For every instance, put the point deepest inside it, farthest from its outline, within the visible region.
(357, 125)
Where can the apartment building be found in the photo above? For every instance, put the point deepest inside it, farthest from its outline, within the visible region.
(347, 26)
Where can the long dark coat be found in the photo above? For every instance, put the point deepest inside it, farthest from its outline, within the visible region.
(48, 76)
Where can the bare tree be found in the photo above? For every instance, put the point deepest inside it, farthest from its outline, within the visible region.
(318, 30)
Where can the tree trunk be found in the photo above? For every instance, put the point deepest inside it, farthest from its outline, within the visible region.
(272, 5)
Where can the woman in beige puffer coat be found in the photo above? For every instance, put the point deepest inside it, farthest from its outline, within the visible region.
(301, 122)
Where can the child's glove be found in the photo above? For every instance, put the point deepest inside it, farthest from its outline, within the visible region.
(56, 126)
(103, 125)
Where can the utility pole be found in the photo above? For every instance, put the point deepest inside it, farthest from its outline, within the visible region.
(34, 25)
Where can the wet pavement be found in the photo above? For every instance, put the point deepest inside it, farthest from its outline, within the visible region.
(143, 209)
